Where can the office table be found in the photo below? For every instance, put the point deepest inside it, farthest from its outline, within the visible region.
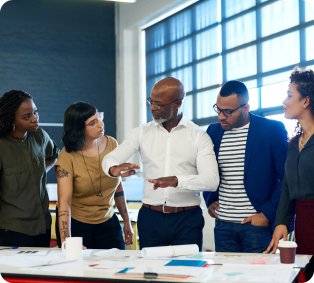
(34, 265)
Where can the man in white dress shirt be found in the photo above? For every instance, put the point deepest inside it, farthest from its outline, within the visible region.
(178, 163)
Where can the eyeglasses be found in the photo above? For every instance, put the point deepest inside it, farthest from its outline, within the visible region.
(158, 104)
(93, 123)
(226, 112)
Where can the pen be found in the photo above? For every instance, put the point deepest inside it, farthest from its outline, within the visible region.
(150, 275)
(9, 248)
(211, 264)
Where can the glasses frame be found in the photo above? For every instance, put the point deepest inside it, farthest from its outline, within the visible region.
(226, 112)
(94, 122)
(150, 102)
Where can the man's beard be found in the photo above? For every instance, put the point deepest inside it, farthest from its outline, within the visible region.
(160, 120)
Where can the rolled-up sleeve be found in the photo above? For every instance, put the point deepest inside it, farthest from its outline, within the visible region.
(122, 152)
(207, 177)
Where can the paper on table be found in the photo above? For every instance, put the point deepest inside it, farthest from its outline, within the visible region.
(53, 262)
(107, 264)
(168, 270)
(253, 273)
(26, 260)
(187, 262)
(169, 251)
(24, 252)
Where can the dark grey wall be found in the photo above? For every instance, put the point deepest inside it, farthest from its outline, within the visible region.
(60, 51)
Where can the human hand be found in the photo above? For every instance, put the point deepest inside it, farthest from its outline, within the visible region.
(128, 233)
(258, 219)
(212, 209)
(281, 231)
(164, 182)
(123, 170)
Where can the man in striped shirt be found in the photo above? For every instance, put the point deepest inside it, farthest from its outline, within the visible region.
(251, 153)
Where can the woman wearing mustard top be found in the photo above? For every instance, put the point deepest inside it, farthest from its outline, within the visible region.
(86, 196)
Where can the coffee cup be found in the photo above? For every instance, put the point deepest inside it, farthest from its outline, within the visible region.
(72, 247)
(287, 251)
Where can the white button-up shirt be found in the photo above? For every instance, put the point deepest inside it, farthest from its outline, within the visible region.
(185, 152)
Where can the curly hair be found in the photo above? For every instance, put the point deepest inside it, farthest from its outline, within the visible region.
(9, 104)
(74, 125)
(304, 81)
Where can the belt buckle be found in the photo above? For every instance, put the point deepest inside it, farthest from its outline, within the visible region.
(163, 209)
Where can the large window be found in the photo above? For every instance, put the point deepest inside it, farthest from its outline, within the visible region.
(212, 41)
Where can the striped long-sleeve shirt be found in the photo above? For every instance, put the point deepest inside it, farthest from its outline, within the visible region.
(234, 204)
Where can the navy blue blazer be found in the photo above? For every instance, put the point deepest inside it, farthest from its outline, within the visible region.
(265, 155)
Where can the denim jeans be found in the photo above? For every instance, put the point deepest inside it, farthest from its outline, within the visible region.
(236, 237)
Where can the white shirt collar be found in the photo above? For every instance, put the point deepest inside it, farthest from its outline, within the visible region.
(183, 122)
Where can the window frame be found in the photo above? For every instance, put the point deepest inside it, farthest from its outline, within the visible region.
(221, 23)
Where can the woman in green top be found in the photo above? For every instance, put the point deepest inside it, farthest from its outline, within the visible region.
(86, 196)
(26, 154)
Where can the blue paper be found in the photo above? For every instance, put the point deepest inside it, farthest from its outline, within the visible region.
(186, 262)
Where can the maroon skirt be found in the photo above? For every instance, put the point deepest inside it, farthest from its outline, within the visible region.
(304, 226)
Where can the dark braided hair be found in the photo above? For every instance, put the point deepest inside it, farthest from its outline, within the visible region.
(9, 103)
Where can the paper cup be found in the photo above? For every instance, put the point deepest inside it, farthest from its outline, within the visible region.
(287, 251)
(72, 247)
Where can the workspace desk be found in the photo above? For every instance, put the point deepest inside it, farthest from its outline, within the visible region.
(34, 265)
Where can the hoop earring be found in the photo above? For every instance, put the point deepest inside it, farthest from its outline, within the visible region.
(13, 129)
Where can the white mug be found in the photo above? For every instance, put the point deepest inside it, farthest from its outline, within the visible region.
(72, 247)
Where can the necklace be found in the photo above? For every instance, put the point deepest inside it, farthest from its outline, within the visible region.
(302, 141)
(99, 193)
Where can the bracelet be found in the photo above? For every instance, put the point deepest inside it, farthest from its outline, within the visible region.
(119, 194)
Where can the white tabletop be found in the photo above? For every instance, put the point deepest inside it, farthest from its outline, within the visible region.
(108, 264)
